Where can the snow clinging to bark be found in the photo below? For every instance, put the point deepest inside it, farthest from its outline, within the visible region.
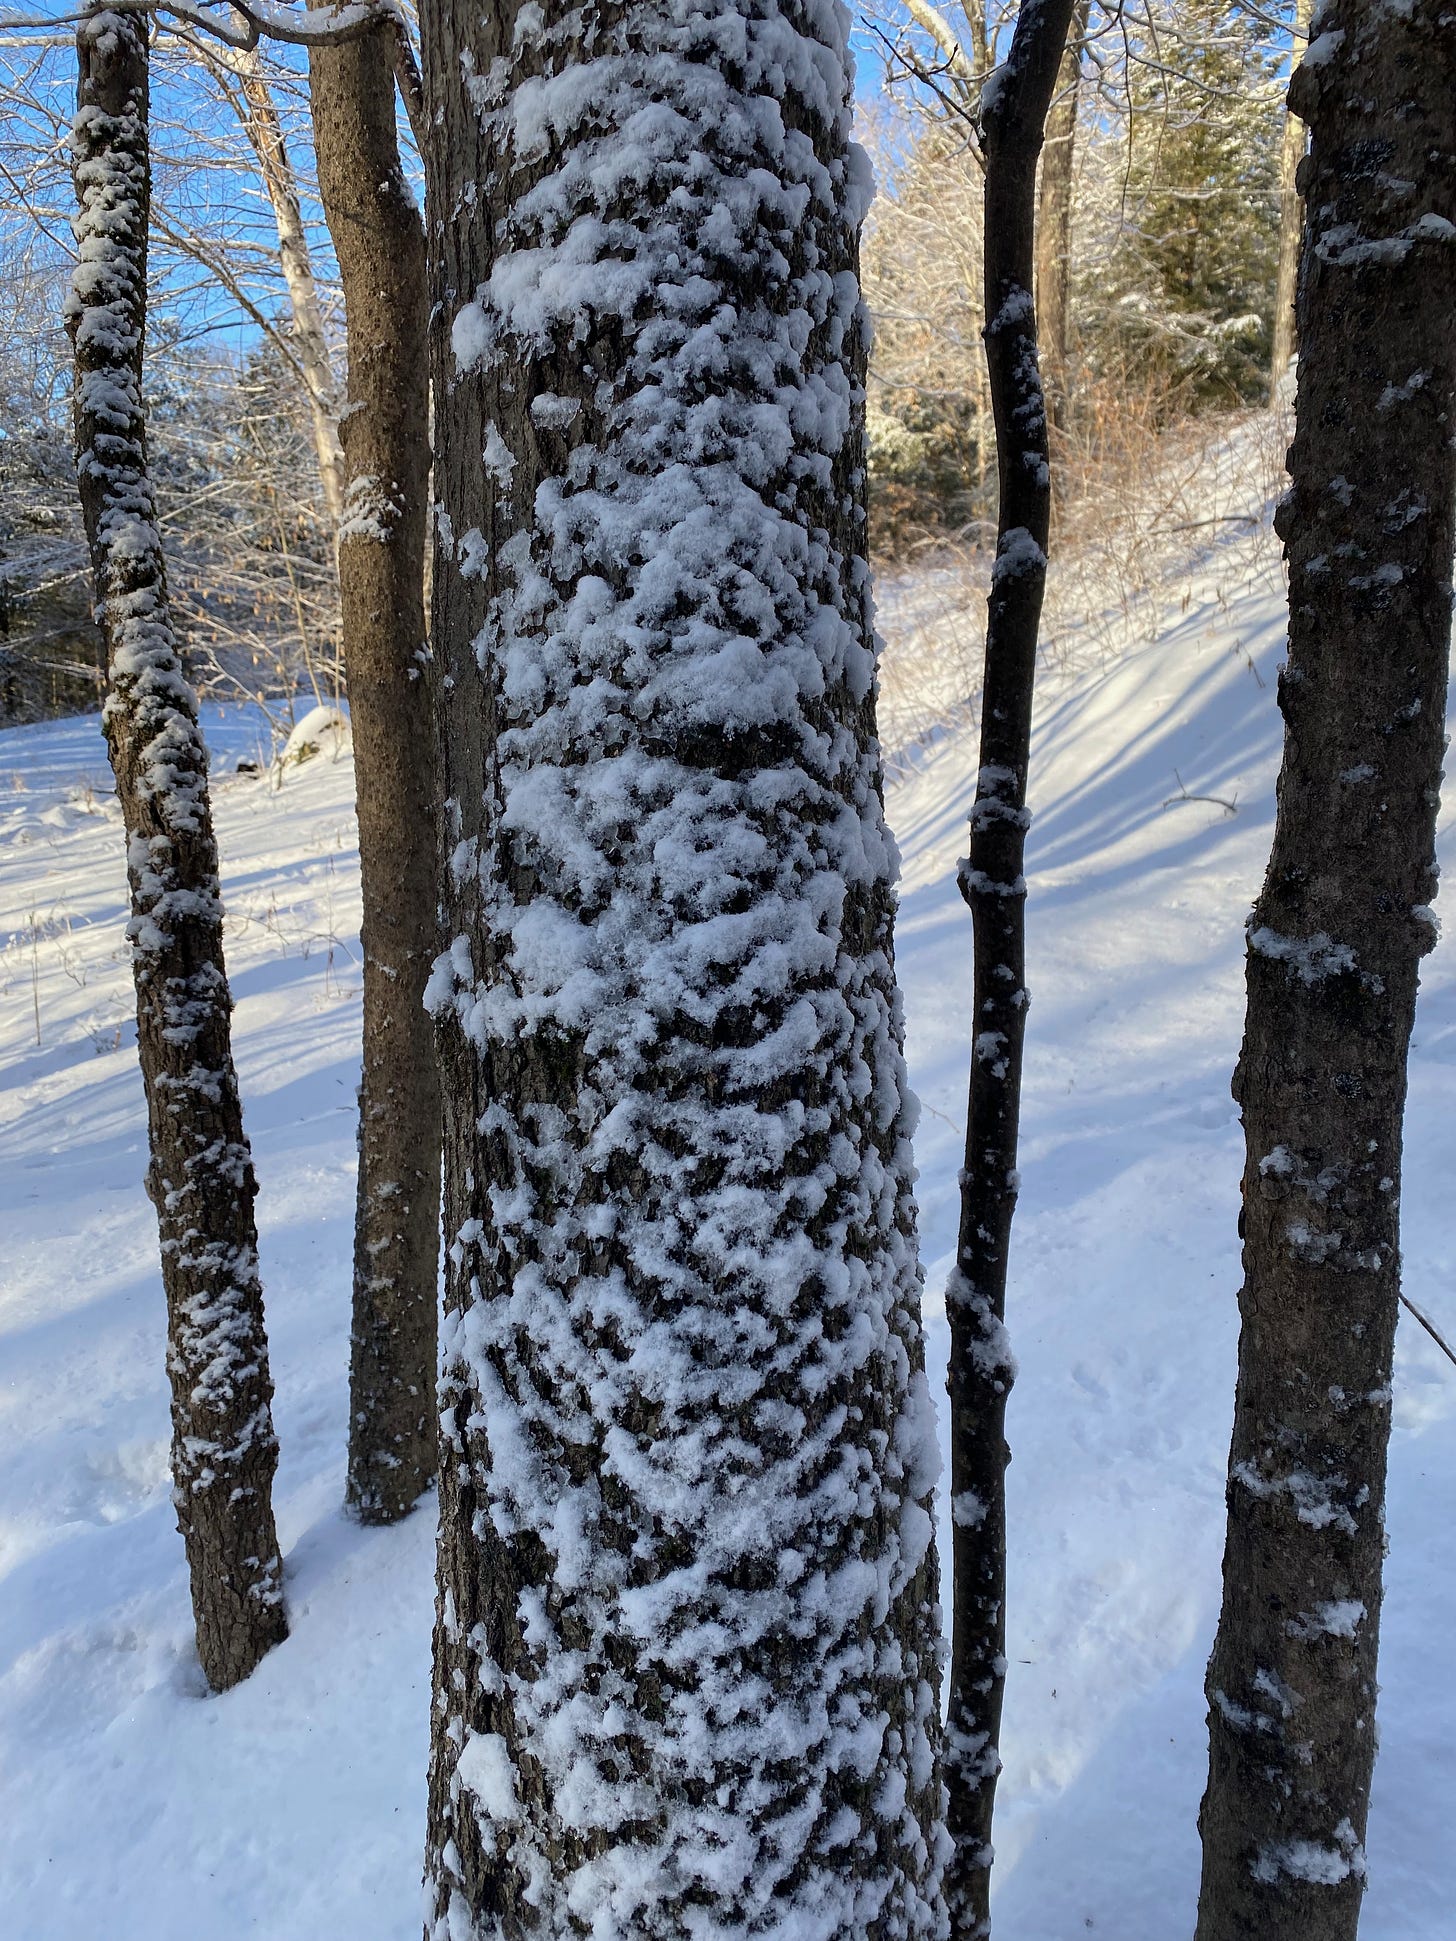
(200, 1175)
(721, 1439)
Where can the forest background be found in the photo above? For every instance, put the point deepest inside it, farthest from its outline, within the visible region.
(1167, 250)
(1165, 341)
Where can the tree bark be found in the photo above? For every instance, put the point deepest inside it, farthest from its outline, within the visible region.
(1335, 942)
(380, 246)
(965, 74)
(981, 1366)
(686, 1638)
(1054, 224)
(980, 40)
(201, 1173)
(1291, 216)
(259, 116)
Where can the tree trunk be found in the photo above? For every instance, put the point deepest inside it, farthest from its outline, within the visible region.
(1291, 216)
(981, 1366)
(259, 115)
(380, 246)
(1054, 224)
(1335, 942)
(686, 1640)
(201, 1173)
(975, 15)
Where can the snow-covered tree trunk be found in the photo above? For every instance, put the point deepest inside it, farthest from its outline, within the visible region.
(1291, 217)
(1054, 223)
(380, 246)
(1335, 942)
(687, 1638)
(201, 1173)
(1014, 110)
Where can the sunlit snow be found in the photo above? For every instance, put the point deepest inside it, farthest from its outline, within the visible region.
(133, 1806)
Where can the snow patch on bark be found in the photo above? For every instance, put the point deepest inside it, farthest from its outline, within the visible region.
(686, 1328)
(1308, 1861)
(1312, 959)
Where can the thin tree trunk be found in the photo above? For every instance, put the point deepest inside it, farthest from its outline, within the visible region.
(380, 246)
(1054, 224)
(686, 1635)
(259, 115)
(1291, 216)
(980, 41)
(1335, 942)
(201, 1173)
(965, 75)
(981, 1366)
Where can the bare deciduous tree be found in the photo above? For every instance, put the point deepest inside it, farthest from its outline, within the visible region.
(201, 1173)
(1014, 114)
(379, 243)
(1334, 947)
(244, 82)
(1054, 223)
(685, 1644)
(1291, 215)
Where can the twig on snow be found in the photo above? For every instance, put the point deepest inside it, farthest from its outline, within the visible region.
(1185, 795)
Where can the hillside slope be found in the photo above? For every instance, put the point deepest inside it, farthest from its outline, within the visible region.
(132, 1806)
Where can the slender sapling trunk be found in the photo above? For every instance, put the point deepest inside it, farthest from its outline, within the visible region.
(1291, 216)
(1014, 109)
(1054, 225)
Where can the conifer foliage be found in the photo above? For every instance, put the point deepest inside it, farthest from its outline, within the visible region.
(1191, 289)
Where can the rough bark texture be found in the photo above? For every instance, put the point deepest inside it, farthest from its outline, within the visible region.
(1334, 945)
(686, 1641)
(380, 246)
(201, 1173)
(981, 1365)
(1291, 218)
(259, 115)
(1054, 224)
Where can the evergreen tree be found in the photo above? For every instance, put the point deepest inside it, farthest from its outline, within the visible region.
(1192, 281)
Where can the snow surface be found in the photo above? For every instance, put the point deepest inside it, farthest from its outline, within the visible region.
(132, 1805)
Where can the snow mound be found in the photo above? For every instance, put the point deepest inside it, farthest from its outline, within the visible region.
(324, 730)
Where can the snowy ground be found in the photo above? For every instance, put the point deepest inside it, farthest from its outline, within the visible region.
(132, 1806)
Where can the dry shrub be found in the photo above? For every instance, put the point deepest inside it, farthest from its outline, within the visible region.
(1142, 507)
(1144, 495)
